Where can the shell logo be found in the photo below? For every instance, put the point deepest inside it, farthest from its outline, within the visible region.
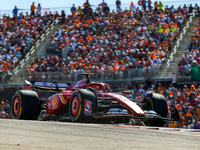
(54, 102)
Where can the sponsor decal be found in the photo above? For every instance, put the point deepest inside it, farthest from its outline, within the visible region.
(122, 98)
(116, 111)
(44, 84)
(88, 108)
(49, 84)
(54, 102)
(120, 110)
(19, 95)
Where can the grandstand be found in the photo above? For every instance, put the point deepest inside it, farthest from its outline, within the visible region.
(140, 60)
(124, 49)
(136, 57)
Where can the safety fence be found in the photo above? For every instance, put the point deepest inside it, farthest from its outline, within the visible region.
(100, 76)
(119, 77)
(126, 75)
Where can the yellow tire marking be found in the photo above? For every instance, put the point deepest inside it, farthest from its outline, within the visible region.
(20, 110)
(79, 108)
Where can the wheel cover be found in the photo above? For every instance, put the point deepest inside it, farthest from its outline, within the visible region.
(16, 106)
(75, 106)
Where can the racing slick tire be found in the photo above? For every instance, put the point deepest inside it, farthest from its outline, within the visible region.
(82, 105)
(159, 105)
(25, 105)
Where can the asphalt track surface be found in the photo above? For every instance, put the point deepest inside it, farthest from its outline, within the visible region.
(40, 135)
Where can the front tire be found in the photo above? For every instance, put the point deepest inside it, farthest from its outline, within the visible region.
(78, 112)
(25, 105)
(159, 105)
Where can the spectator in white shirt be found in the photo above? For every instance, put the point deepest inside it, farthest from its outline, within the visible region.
(119, 10)
(141, 90)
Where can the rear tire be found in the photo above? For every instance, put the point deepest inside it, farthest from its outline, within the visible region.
(76, 105)
(159, 104)
(25, 105)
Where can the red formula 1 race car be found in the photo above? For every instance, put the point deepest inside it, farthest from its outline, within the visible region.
(86, 101)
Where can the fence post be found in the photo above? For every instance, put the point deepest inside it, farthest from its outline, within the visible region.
(76, 77)
(102, 76)
(3, 82)
(129, 75)
(23, 78)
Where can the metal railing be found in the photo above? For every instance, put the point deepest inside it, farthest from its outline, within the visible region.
(118, 77)
(98, 76)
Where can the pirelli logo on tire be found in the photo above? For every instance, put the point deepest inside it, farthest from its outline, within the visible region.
(79, 111)
(19, 96)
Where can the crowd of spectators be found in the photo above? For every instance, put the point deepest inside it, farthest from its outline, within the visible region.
(17, 35)
(113, 41)
(191, 57)
(5, 110)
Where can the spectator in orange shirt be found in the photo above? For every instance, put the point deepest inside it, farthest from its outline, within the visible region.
(33, 9)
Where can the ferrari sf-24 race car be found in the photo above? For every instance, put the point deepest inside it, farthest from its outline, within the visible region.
(87, 101)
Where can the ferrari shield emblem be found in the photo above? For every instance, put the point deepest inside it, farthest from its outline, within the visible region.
(87, 108)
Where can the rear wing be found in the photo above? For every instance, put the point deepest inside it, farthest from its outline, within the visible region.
(50, 84)
(47, 86)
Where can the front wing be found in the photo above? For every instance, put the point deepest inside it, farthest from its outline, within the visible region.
(122, 113)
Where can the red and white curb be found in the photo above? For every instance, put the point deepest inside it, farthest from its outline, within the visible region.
(197, 131)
